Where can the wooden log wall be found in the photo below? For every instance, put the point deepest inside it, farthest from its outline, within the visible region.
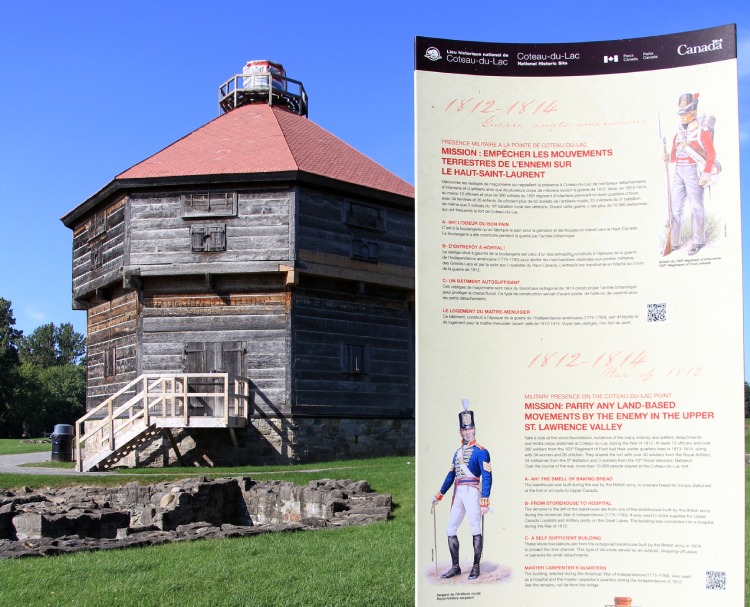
(159, 234)
(295, 339)
(259, 322)
(99, 249)
(330, 316)
(329, 222)
(112, 329)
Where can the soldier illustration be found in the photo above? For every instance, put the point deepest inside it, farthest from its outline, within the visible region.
(696, 168)
(471, 476)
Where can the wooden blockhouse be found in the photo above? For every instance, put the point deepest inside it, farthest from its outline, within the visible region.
(249, 297)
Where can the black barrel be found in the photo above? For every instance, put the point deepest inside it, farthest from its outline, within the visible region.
(62, 443)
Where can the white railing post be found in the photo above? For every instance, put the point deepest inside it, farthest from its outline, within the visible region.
(247, 401)
(186, 401)
(226, 398)
(164, 397)
(79, 450)
(146, 412)
(111, 425)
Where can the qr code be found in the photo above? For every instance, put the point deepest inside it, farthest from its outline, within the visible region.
(716, 580)
(657, 312)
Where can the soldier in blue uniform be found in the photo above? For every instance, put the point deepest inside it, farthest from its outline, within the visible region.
(471, 476)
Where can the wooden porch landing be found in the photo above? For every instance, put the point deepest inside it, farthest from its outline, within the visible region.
(153, 403)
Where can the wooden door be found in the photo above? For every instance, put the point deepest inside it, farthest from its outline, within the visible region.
(207, 358)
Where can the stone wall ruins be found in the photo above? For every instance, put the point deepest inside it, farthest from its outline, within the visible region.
(38, 523)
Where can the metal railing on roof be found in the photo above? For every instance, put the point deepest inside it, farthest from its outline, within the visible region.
(274, 89)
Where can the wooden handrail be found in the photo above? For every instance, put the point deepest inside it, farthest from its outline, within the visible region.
(155, 391)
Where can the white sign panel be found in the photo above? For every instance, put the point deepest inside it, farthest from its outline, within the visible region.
(580, 357)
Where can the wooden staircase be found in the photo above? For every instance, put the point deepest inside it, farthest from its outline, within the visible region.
(105, 458)
(152, 404)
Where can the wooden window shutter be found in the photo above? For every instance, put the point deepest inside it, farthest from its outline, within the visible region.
(364, 216)
(97, 254)
(110, 361)
(204, 238)
(198, 238)
(217, 238)
(209, 204)
(98, 224)
(354, 358)
(200, 202)
(364, 249)
(221, 202)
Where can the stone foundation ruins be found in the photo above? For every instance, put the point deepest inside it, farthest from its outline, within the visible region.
(39, 523)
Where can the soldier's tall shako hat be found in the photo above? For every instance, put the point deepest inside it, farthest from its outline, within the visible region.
(466, 417)
(688, 102)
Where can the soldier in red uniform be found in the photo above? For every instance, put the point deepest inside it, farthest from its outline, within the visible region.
(694, 156)
(471, 476)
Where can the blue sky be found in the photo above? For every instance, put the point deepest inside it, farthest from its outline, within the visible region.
(89, 89)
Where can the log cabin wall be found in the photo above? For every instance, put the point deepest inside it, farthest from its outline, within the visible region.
(230, 295)
(112, 349)
(216, 232)
(98, 250)
(352, 350)
(254, 324)
(360, 229)
(312, 288)
(353, 326)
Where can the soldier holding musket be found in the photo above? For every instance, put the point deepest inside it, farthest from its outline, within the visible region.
(471, 476)
(696, 168)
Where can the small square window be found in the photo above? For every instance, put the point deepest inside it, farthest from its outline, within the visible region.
(208, 238)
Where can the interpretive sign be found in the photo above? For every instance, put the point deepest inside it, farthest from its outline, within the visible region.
(579, 313)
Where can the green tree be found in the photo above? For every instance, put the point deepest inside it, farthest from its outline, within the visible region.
(747, 400)
(71, 346)
(44, 397)
(52, 346)
(42, 378)
(9, 338)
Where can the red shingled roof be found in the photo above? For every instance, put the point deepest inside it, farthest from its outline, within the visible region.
(259, 138)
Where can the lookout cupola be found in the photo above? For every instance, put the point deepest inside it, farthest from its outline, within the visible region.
(263, 81)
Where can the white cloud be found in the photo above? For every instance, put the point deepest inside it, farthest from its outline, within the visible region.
(39, 317)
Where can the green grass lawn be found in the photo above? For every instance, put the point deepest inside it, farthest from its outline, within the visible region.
(368, 566)
(13, 446)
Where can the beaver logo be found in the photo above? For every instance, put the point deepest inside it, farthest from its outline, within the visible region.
(433, 54)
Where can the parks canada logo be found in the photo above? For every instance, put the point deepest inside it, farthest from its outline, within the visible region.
(716, 45)
(433, 54)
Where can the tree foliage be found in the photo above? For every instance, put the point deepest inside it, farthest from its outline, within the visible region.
(51, 346)
(42, 378)
(45, 397)
(9, 337)
(747, 400)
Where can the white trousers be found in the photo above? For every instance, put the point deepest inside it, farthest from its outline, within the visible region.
(465, 503)
(685, 188)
